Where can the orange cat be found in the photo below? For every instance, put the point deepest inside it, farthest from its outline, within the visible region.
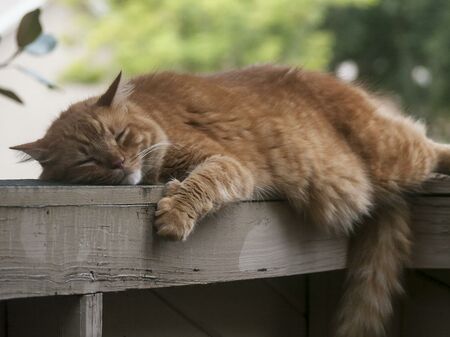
(331, 149)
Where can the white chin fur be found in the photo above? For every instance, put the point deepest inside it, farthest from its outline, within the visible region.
(133, 178)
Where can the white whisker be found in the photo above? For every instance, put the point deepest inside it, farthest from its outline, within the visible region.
(145, 152)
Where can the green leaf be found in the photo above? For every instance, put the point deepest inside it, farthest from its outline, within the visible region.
(29, 28)
(38, 77)
(44, 44)
(10, 94)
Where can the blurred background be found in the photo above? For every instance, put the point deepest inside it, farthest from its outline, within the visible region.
(400, 48)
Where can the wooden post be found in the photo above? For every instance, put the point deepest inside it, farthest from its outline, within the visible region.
(56, 316)
(91, 315)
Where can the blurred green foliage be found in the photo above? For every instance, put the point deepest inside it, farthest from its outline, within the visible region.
(400, 47)
(204, 35)
(392, 40)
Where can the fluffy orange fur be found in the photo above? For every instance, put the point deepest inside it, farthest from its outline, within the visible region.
(332, 149)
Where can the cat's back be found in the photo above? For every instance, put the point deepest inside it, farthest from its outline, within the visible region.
(341, 117)
(267, 109)
(268, 96)
(295, 91)
(244, 84)
(269, 91)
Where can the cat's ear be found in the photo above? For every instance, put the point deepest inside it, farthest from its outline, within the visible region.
(116, 94)
(34, 150)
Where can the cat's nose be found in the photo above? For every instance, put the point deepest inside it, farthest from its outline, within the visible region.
(118, 164)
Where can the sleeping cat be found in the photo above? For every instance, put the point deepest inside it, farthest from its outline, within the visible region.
(331, 149)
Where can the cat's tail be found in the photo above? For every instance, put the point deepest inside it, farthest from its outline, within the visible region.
(378, 253)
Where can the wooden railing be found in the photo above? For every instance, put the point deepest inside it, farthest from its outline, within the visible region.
(66, 240)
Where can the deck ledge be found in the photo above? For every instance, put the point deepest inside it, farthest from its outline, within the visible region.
(86, 239)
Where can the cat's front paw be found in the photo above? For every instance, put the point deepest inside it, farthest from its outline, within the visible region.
(171, 221)
(172, 187)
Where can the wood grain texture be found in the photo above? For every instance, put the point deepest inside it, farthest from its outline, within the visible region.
(91, 315)
(42, 196)
(437, 184)
(67, 250)
(89, 239)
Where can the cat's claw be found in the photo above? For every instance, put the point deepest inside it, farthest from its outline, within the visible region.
(171, 222)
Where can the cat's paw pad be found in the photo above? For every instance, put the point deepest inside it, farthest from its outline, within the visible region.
(172, 222)
(172, 187)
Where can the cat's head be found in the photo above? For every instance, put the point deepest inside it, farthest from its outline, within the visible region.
(97, 141)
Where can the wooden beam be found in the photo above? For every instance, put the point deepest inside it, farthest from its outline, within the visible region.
(43, 195)
(89, 239)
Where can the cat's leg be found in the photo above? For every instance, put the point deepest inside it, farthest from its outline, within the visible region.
(338, 202)
(216, 181)
(335, 196)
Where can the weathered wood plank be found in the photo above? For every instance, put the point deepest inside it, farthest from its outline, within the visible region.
(67, 251)
(437, 184)
(431, 224)
(42, 196)
(35, 193)
(82, 240)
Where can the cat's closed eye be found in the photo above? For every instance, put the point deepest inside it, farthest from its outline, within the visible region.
(86, 162)
(120, 137)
